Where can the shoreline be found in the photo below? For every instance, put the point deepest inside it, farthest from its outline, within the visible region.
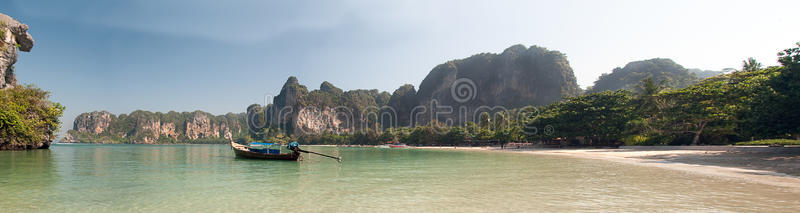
(753, 164)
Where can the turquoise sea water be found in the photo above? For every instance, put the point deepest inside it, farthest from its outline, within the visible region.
(208, 178)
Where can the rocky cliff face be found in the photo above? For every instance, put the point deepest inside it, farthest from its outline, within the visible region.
(200, 126)
(94, 122)
(13, 35)
(150, 131)
(402, 101)
(317, 120)
(328, 109)
(148, 127)
(516, 78)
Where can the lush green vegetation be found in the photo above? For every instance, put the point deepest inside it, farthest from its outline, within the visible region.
(666, 106)
(501, 128)
(770, 142)
(599, 118)
(27, 117)
(774, 111)
(428, 135)
(754, 103)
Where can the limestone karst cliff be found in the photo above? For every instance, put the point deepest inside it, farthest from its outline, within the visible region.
(516, 78)
(328, 109)
(148, 128)
(13, 36)
(28, 120)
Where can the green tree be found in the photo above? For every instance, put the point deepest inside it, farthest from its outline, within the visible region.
(692, 109)
(790, 57)
(600, 117)
(750, 65)
(647, 101)
(27, 117)
(779, 113)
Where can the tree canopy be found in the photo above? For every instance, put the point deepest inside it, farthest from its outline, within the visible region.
(27, 116)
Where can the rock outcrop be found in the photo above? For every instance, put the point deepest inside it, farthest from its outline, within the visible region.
(13, 35)
(148, 128)
(316, 120)
(32, 117)
(290, 94)
(402, 101)
(516, 78)
(94, 122)
(664, 70)
(328, 109)
(200, 126)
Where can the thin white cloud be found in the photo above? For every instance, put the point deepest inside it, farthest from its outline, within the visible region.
(230, 22)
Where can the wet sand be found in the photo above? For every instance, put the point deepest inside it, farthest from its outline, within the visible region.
(777, 166)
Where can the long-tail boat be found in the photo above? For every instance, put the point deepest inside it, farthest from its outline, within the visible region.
(246, 152)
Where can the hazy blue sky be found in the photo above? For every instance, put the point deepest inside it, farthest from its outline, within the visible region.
(220, 56)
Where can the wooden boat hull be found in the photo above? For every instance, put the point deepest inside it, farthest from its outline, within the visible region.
(244, 152)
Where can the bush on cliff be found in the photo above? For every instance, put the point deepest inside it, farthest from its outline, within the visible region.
(27, 117)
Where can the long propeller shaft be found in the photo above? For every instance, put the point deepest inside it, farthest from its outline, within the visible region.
(339, 159)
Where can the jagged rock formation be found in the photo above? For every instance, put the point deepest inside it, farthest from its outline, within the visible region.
(148, 127)
(329, 88)
(317, 120)
(199, 126)
(402, 101)
(13, 35)
(328, 109)
(659, 69)
(516, 78)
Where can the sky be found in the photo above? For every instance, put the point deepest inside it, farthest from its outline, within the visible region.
(221, 56)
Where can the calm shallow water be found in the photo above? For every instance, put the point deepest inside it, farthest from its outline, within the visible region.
(188, 178)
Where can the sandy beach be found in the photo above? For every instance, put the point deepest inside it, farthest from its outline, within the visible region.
(776, 166)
